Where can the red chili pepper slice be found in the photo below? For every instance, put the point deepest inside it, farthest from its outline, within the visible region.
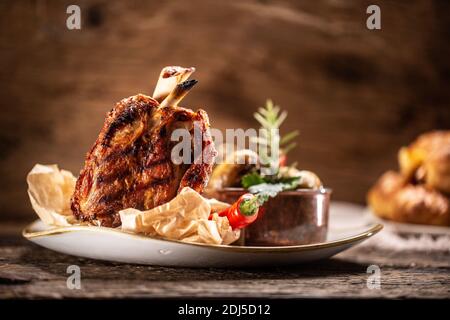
(244, 211)
(282, 160)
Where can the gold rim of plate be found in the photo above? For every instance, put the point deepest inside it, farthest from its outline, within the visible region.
(329, 244)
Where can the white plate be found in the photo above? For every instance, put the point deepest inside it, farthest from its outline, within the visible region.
(115, 245)
(409, 228)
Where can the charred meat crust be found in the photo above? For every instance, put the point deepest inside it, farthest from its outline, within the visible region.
(129, 165)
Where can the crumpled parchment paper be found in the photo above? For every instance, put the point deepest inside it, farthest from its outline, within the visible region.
(50, 189)
(183, 218)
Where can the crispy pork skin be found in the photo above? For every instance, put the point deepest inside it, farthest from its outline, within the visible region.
(130, 165)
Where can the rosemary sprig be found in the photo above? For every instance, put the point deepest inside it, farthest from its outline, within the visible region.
(270, 117)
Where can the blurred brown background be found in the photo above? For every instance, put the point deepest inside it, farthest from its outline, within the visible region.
(356, 95)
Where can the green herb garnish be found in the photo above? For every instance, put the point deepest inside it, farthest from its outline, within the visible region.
(251, 179)
(270, 118)
(257, 183)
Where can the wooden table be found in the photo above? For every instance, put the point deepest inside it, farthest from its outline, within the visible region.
(28, 271)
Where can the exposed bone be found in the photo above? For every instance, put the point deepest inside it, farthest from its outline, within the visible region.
(169, 78)
(178, 93)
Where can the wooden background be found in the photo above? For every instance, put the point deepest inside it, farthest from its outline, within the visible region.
(356, 95)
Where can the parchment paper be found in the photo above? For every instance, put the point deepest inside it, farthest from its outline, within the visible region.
(184, 218)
